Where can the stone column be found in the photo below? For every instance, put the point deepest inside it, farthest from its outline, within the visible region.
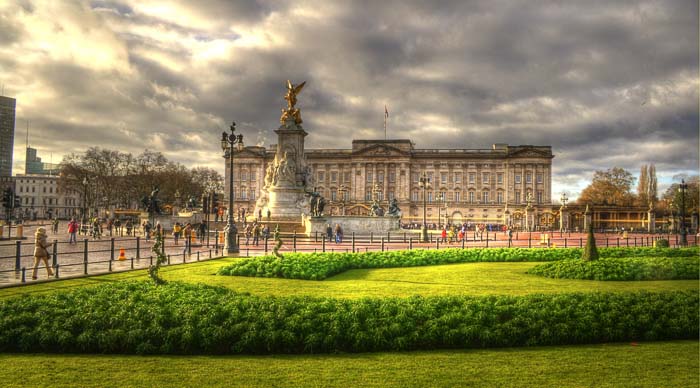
(587, 219)
(651, 217)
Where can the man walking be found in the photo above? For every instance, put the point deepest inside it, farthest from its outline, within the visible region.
(72, 230)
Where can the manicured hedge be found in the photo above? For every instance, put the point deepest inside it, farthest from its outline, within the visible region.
(626, 268)
(318, 266)
(177, 318)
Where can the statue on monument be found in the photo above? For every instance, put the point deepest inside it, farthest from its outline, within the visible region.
(394, 208)
(376, 210)
(291, 112)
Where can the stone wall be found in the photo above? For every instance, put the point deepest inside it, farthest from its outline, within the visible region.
(361, 225)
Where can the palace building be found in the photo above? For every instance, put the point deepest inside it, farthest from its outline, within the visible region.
(490, 186)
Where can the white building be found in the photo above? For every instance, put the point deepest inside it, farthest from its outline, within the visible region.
(41, 197)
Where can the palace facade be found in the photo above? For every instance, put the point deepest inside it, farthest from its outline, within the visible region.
(488, 186)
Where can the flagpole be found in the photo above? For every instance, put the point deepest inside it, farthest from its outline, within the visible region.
(386, 114)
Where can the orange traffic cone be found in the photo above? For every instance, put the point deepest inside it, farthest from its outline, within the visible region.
(122, 255)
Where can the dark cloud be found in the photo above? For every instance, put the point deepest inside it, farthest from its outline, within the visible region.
(605, 83)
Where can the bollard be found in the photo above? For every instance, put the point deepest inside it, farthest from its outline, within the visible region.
(487, 240)
(55, 273)
(316, 236)
(54, 254)
(580, 242)
(294, 242)
(247, 252)
(388, 237)
(132, 262)
(462, 242)
(382, 244)
(111, 249)
(437, 243)
(566, 245)
(404, 237)
(410, 243)
(85, 256)
(371, 238)
(266, 238)
(18, 254)
(183, 254)
(529, 240)
(628, 241)
(353, 242)
(635, 241)
(24, 272)
(138, 247)
(606, 242)
(210, 253)
(110, 265)
(150, 258)
(618, 242)
(183, 258)
(323, 243)
(197, 255)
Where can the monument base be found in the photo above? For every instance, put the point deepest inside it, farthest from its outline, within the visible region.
(360, 225)
(286, 203)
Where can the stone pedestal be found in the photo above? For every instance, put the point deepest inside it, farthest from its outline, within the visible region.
(361, 225)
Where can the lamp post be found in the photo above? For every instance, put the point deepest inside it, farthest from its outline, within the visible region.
(564, 199)
(85, 183)
(681, 189)
(424, 183)
(177, 202)
(343, 191)
(227, 143)
(441, 201)
(528, 208)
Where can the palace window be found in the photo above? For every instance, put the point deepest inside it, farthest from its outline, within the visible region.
(380, 176)
(392, 177)
(456, 196)
(243, 194)
(485, 197)
(369, 177)
(334, 176)
(443, 178)
(458, 177)
(528, 177)
(334, 194)
(252, 176)
(321, 176)
(500, 197)
(486, 177)
(244, 175)
(539, 177)
(415, 177)
(252, 194)
(472, 177)
(539, 197)
(517, 178)
(346, 196)
(499, 178)
(391, 195)
(430, 196)
(347, 176)
(430, 177)
(471, 197)
(517, 197)
(414, 196)
(368, 195)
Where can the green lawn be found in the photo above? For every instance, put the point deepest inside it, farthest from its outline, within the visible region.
(653, 364)
(454, 279)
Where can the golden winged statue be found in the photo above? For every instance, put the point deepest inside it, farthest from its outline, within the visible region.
(291, 97)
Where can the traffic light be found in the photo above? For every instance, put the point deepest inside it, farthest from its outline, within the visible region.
(7, 198)
(214, 199)
(18, 201)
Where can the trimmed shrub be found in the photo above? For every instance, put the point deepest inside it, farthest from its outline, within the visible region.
(628, 268)
(590, 252)
(319, 266)
(177, 318)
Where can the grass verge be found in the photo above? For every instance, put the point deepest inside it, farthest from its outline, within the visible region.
(654, 364)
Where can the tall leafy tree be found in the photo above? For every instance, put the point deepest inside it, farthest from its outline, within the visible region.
(609, 187)
(671, 199)
(643, 186)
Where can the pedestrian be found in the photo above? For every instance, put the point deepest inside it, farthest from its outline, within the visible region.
(451, 235)
(177, 229)
(54, 226)
(72, 230)
(147, 230)
(129, 227)
(41, 252)
(118, 227)
(338, 234)
(259, 214)
(187, 235)
(443, 235)
(510, 236)
(268, 215)
(248, 233)
(202, 231)
(329, 232)
(266, 232)
(158, 233)
(110, 226)
(256, 234)
(96, 229)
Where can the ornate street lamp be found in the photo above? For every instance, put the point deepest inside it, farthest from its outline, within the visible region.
(563, 199)
(424, 183)
(85, 183)
(528, 208)
(684, 233)
(227, 143)
(441, 202)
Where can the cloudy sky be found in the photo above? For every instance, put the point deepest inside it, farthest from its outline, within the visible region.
(606, 83)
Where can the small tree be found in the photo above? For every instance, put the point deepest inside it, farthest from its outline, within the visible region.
(161, 258)
(590, 252)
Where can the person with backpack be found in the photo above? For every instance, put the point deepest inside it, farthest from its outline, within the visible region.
(72, 231)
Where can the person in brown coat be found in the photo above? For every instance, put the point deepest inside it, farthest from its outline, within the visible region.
(41, 252)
